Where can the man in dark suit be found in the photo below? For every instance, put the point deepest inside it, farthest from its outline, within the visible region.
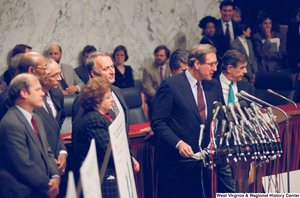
(101, 64)
(244, 45)
(233, 68)
(25, 152)
(182, 103)
(81, 71)
(225, 26)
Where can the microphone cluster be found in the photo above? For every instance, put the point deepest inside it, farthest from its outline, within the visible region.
(246, 133)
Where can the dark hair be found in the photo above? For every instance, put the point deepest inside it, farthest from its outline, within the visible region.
(227, 3)
(17, 84)
(240, 27)
(177, 57)
(203, 22)
(88, 49)
(13, 65)
(158, 48)
(93, 92)
(20, 49)
(264, 16)
(198, 53)
(232, 57)
(119, 48)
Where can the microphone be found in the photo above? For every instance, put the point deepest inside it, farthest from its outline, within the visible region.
(238, 107)
(243, 97)
(218, 105)
(224, 124)
(281, 96)
(230, 106)
(201, 135)
(245, 107)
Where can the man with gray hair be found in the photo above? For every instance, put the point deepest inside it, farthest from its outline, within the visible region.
(25, 152)
(182, 103)
(178, 61)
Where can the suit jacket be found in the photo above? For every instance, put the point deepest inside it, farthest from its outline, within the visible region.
(70, 76)
(274, 60)
(176, 117)
(94, 125)
(23, 156)
(82, 73)
(251, 64)
(5, 103)
(77, 112)
(241, 85)
(52, 125)
(151, 78)
(219, 37)
(293, 44)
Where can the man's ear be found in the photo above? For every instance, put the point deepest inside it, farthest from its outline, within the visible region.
(23, 93)
(93, 73)
(229, 68)
(31, 70)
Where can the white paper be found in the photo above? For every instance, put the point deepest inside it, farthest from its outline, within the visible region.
(122, 159)
(71, 189)
(89, 174)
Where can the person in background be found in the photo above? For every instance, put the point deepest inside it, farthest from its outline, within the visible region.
(70, 83)
(81, 71)
(237, 15)
(244, 45)
(208, 26)
(123, 73)
(178, 61)
(269, 46)
(20, 48)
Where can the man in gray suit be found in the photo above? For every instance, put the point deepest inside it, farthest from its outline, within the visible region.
(155, 73)
(25, 152)
(244, 45)
(70, 82)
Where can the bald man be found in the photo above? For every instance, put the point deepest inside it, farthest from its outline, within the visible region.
(70, 82)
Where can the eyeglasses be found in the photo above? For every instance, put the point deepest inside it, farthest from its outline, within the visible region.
(56, 75)
(41, 67)
(212, 65)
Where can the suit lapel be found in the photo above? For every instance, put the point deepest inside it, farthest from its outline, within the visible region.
(223, 100)
(46, 117)
(209, 95)
(188, 95)
(29, 130)
(156, 73)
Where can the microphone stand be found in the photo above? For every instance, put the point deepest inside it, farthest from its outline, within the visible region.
(277, 94)
(287, 131)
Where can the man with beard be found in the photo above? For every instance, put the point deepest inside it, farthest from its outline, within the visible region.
(155, 73)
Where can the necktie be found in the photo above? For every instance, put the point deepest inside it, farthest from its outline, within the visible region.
(33, 122)
(227, 36)
(201, 104)
(230, 94)
(161, 74)
(63, 83)
(115, 108)
(47, 105)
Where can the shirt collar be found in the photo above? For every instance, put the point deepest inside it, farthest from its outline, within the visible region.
(225, 80)
(224, 23)
(190, 78)
(27, 115)
(241, 39)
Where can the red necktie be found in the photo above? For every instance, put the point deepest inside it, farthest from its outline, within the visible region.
(201, 104)
(33, 122)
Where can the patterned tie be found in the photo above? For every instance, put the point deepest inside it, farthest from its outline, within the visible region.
(201, 104)
(33, 122)
(230, 94)
(161, 74)
(115, 108)
(227, 36)
(47, 105)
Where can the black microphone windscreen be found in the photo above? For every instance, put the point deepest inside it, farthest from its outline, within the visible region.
(243, 103)
(218, 104)
(229, 116)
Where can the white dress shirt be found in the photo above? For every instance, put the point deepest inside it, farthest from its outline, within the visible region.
(224, 27)
(225, 88)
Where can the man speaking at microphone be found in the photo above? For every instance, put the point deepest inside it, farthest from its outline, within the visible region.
(182, 103)
(231, 80)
